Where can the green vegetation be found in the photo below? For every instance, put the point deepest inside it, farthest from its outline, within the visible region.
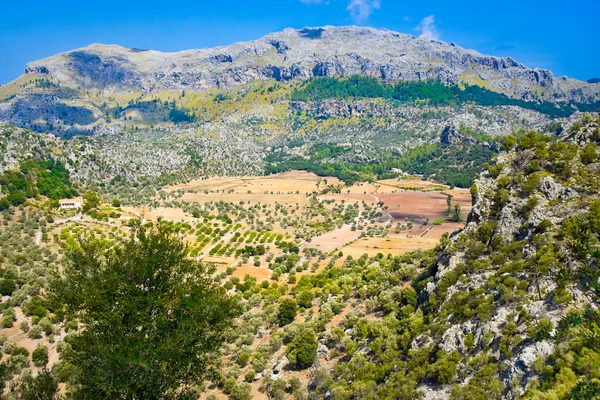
(302, 351)
(456, 164)
(178, 115)
(34, 178)
(434, 92)
(287, 311)
(142, 302)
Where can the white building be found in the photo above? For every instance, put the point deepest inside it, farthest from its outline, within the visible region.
(70, 204)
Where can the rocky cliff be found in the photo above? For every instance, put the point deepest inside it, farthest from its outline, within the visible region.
(507, 287)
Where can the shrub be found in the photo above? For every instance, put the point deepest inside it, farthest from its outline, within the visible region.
(36, 307)
(243, 358)
(541, 331)
(20, 351)
(589, 154)
(7, 286)
(40, 356)
(288, 308)
(302, 351)
(249, 377)
(7, 321)
(35, 332)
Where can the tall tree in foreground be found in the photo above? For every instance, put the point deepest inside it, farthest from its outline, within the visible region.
(151, 317)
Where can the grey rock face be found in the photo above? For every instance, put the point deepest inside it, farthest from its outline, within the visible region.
(450, 136)
(296, 54)
(554, 190)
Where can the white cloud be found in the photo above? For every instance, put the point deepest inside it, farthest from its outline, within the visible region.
(427, 28)
(360, 10)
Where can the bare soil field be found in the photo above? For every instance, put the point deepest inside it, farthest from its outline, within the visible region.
(301, 181)
(349, 198)
(167, 213)
(412, 183)
(395, 246)
(430, 205)
(286, 188)
(333, 240)
(437, 231)
(262, 273)
(262, 198)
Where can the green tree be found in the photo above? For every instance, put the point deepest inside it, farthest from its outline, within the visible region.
(302, 351)
(152, 316)
(43, 386)
(509, 143)
(40, 356)
(287, 311)
(586, 390)
(90, 200)
(589, 154)
(7, 286)
(456, 213)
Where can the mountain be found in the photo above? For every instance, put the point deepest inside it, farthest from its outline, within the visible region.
(357, 102)
(300, 54)
(77, 92)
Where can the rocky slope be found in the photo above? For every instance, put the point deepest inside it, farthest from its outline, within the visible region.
(526, 263)
(300, 54)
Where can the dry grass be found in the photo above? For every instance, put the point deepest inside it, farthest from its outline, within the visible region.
(394, 246)
(334, 240)
(286, 188)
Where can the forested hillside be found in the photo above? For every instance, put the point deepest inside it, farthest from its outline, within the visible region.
(434, 92)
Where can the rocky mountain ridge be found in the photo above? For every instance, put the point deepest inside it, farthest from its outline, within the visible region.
(297, 54)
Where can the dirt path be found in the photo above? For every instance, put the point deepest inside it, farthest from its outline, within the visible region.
(389, 216)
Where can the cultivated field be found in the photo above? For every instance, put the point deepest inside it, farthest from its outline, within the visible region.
(387, 245)
(391, 216)
(274, 228)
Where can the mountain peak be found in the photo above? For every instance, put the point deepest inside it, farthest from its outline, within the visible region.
(297, 54)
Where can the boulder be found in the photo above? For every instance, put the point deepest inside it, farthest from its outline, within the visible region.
(280, 365)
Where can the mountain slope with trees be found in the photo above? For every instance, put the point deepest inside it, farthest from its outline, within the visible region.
(507, 308)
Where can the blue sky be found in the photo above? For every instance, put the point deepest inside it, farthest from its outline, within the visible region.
(563, 36)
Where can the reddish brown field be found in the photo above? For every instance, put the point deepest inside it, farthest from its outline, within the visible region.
(430, 205)
(438, 230)
(334, 240)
